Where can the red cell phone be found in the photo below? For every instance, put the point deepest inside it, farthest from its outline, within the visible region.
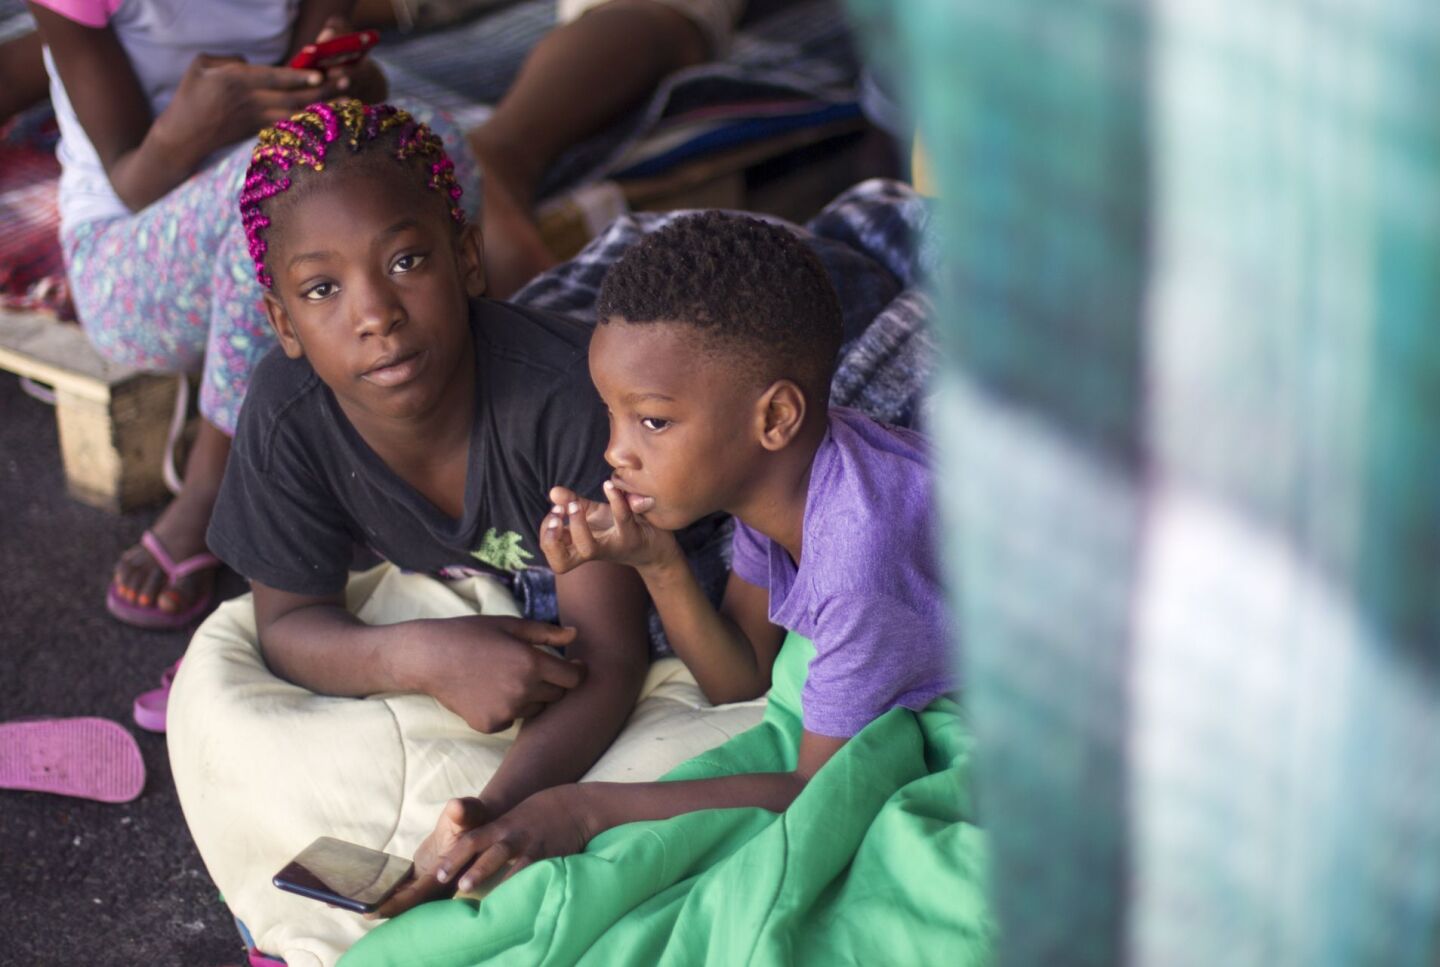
(336, 52)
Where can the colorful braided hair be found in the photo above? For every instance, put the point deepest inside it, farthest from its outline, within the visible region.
(307, 138)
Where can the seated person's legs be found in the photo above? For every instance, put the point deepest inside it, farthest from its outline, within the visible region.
(579, 78)
(142, 307)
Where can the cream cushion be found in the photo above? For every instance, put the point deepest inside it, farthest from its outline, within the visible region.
(262, 766)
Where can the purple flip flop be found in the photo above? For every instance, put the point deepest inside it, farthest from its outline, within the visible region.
(149, 710)
(151, 616)
(90, 758)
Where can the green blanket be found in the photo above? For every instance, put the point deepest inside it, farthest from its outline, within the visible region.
(878, 861)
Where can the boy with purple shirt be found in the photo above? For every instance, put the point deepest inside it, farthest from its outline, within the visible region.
(717, 341)
(866, 591)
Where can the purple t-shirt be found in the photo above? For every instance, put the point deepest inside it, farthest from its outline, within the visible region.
(867, 590)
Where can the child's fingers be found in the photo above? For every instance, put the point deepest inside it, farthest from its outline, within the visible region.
(413, 892)
(559, 671)
(627, 529)
(293, 100)
(560, 496)
(334, 27)
(263, 77)
(540, 632)
(580, 534)
(541, 694)
(519, 863)
(460, 858)
(555, 544)
(340, 77)
(598, 514)
(619, 506)
(466, 812)
(486, 865)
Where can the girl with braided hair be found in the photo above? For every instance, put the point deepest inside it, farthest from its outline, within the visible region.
(404, 412)
(158, 102)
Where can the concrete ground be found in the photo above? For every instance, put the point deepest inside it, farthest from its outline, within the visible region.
(84, 882)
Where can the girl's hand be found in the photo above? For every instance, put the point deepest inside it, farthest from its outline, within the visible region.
(222, 100)
(488, 670)
(363, 79)
(459, 817)
(549, 823)
(578, 530)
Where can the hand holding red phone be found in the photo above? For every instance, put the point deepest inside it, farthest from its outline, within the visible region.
(222, 100)
(339, 52)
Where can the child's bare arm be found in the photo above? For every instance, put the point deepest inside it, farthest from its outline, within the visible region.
(486, 669)
(605, 603)
(730, 651)
(559, 821)
(608, 804)
(219, 101)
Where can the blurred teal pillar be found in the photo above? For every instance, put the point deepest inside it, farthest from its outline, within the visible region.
(1035, 129)
(1189, 433)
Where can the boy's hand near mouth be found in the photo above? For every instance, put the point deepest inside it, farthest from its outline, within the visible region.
(716, 645)
(578, 530)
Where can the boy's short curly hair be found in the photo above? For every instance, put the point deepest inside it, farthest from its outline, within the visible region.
(751, 288)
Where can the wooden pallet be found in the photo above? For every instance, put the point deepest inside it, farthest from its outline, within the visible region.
(112, 419)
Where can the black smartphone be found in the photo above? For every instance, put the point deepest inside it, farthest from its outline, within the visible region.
(350, 876)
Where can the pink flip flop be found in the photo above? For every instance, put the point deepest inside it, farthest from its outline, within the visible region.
(86, 757)
(149, 710)
(152, 616)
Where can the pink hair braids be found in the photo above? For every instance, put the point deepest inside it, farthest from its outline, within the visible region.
(306, 139)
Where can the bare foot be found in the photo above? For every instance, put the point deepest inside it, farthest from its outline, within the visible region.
(515, 252)
(180, 529)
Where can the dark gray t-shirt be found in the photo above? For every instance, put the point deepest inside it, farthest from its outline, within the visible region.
(302, 490)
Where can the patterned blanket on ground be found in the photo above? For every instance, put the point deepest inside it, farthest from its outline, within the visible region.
(878, 861)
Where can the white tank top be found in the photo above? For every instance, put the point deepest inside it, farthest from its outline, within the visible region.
(161, 38)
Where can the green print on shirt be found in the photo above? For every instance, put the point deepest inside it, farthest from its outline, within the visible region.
(502, 551)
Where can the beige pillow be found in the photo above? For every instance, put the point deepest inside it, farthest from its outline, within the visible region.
(263, 766)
